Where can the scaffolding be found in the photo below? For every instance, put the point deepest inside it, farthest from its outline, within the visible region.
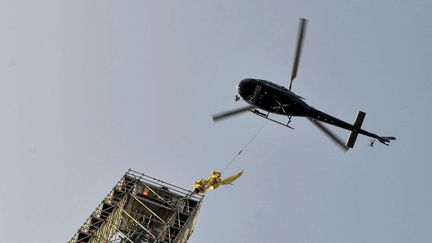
(142, 209)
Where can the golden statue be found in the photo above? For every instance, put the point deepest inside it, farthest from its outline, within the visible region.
(214, 181)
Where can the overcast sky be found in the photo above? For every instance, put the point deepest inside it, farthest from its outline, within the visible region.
(89, 89)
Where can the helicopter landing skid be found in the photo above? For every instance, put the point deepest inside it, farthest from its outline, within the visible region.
(266, 116)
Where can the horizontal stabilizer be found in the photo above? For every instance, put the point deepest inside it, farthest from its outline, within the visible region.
(357, 125)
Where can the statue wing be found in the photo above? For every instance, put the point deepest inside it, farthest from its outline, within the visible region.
(231, 179)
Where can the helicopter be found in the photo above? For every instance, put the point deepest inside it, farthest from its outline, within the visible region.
(265, 97)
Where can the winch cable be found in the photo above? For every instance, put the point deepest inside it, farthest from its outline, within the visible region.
(245, 146)
(241, 150)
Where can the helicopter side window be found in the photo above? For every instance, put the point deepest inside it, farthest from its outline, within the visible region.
(257, 90)
(252, 98)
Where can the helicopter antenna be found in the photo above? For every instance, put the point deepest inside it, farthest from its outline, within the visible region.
(300, 38)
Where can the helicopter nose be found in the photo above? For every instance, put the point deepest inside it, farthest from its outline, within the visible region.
(241, 87)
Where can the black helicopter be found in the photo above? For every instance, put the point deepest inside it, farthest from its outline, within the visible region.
(273, 98)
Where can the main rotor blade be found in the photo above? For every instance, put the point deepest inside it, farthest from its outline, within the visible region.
(329, 133)
(300, 37)
(227, 114)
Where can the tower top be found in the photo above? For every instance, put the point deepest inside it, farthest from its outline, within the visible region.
(141, 208)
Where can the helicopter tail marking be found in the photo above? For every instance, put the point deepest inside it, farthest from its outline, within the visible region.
(357, 125)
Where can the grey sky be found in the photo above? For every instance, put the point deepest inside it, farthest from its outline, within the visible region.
(89, 89)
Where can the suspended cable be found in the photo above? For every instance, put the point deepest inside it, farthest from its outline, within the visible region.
(245, 146)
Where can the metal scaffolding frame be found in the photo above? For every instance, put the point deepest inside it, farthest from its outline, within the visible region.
(142, 209)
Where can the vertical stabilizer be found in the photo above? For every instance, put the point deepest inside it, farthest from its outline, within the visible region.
(354, 133)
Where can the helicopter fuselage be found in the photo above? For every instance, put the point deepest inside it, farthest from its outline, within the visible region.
(271, 97)
(279, 100)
